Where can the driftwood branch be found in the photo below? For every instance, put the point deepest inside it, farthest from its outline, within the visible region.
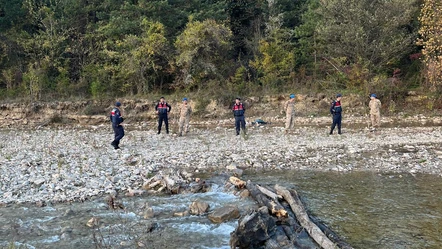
(154, 184)
(173, 184)
(273, 205)
(269, 193)
(304, 220)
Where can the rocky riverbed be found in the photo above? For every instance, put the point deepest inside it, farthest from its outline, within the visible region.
(66, 164)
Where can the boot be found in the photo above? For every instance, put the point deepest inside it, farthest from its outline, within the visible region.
(114, 144)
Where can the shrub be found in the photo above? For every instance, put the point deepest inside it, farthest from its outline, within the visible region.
(92, 109)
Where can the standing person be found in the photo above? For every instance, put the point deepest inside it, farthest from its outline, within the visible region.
(185, 112)
(116, 120)
(375, 111)
(162, 109)
(290, 113)
(336, 111)
(238, 111)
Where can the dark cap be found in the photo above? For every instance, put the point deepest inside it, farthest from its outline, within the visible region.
(118, 103)
(338, 95)
(238, 98)
(162, 97)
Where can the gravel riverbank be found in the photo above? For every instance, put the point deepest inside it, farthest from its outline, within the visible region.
(71, 164)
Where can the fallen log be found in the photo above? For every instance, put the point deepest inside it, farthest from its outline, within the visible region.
(295, 203)
(269, 193)
(330, 234)
(273, 205)
(291, 228)
(237, 182)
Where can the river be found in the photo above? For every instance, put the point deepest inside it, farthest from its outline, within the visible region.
(371, 210)
(368, 210)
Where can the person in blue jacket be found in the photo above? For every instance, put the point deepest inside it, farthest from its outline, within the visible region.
(336, 111)
(117, 119)
(163, 109)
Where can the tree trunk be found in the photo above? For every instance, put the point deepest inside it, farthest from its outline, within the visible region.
(304, 220)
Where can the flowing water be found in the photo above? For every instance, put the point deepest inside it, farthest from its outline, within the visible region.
(370, 210)
(64, 225)
(367, 210)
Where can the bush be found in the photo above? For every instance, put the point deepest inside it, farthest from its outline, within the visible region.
(56, 119)
(92, 109)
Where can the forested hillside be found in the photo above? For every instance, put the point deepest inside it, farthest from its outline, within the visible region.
(102, 48)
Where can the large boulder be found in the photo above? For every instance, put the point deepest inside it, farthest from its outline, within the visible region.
(198, 208)
(224, 214)
(254, 230)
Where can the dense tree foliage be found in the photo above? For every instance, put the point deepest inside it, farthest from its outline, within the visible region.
(431, 33)
(92, 48)
(202, 49)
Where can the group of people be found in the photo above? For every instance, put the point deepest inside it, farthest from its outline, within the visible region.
(163, 109)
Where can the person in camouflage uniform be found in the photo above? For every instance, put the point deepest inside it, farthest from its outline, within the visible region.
(375, 111)
(185, 111)
(290, 112)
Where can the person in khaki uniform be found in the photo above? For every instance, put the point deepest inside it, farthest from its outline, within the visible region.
(375, 111)
(185, 111)
(290, 112)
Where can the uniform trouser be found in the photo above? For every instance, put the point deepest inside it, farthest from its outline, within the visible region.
(375, 119)
(240, 122)
(183, 124)
(289, 121)
(337, 118)
(161, 118)
(119, 134)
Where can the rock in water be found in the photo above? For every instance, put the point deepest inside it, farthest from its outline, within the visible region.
(93, 222)
(253, 230)
(198, 208)
(181, 214)
(224, 214)
(68, 212)
(245, 193)
(148, 213)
